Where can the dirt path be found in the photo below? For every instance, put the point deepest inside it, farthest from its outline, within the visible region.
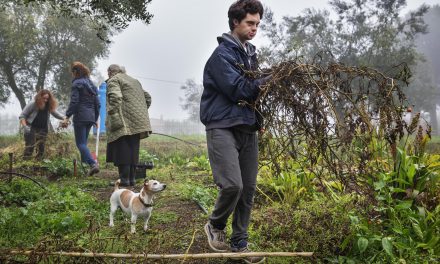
(178, 223)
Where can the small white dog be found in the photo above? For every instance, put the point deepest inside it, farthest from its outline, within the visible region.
(136, 204)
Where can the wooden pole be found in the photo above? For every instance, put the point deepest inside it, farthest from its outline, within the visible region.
(75, 168)
(162, 256)
(11, 161)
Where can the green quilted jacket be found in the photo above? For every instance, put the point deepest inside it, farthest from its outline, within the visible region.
(127, 108)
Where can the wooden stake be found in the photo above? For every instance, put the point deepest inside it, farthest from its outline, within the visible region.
(75, 168)
(11, 161)
(163, 256)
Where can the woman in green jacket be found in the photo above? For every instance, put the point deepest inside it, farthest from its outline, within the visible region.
(127, 122)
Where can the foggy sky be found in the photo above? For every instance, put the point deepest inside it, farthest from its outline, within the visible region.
(177, 43)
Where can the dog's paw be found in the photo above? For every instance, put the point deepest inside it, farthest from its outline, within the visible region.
(111, 225)
(145, 228)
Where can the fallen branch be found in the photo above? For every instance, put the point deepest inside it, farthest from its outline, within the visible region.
(162, 256)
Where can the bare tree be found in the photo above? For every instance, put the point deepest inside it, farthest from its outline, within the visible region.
(191, 101)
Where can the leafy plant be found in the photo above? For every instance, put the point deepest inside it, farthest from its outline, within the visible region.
(64, 167)
(33, 212)
(200, 162)
(412, 173)
(145, 156)
(398, 228)
(290, 185)
(204, 196)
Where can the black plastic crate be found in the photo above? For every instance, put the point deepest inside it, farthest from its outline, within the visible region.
(141, 169)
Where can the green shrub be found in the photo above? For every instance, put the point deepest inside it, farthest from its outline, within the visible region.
(397, 229)
(64, 167)
(204, 196)
(200, 163)
(289, 185)
(20, 192)
(33, 212)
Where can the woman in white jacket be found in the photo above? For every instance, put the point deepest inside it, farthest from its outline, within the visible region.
(35, 118)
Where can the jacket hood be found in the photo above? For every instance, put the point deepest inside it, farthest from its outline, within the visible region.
(230, 39)
(87, 83)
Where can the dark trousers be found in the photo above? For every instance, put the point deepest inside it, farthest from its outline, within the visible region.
(34, 137)
(81, 136)
(233, 156)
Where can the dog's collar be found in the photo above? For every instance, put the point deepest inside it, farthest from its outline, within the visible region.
(145, 204)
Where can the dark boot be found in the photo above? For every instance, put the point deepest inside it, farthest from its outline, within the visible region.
(132, 175)
(124, 175)
(93, 169)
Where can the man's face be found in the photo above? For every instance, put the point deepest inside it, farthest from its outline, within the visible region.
(247, 28)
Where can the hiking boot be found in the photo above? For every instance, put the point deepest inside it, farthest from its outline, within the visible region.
(242, 247)
(216, 238)
(132, 177)
(93, 169)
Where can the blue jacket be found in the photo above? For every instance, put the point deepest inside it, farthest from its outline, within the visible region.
(226, 87)
(84, 103)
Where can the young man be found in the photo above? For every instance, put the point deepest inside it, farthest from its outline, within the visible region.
(231, 126)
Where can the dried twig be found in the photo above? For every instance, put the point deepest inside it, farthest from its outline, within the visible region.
(327, 115)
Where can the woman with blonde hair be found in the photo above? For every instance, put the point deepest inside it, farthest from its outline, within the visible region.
(84, 107)
(35, 118)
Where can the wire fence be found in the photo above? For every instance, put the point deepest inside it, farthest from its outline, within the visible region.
(9, 125)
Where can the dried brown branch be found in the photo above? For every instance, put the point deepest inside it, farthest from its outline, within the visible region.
(327, 115)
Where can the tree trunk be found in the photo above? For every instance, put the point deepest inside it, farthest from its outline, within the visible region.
(433, 117)
(11, 81)
(42, 74)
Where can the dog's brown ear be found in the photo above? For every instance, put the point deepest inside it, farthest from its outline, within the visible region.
(146, 185)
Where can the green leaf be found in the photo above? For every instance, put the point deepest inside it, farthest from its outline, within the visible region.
(397, 230)
(411, 172)
(434, 242)
(418, 230)
(379, 185)
(404, 204)
(354, 219)
(400, 180)
(387, 246)
(397, 190)
(346, 241)
(362, 244)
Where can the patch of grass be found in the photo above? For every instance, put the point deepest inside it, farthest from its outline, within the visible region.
(318, 225)
(34, 213)
(7, 140)
(164, 217)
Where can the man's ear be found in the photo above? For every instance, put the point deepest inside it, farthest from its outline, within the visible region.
(235, 22)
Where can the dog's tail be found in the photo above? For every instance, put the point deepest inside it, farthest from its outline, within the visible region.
(117, 184)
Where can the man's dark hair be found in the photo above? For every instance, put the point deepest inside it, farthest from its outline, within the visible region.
(241, 8)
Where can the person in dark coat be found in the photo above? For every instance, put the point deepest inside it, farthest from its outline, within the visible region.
(231, 127)
(84, 107)
(35, 119)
